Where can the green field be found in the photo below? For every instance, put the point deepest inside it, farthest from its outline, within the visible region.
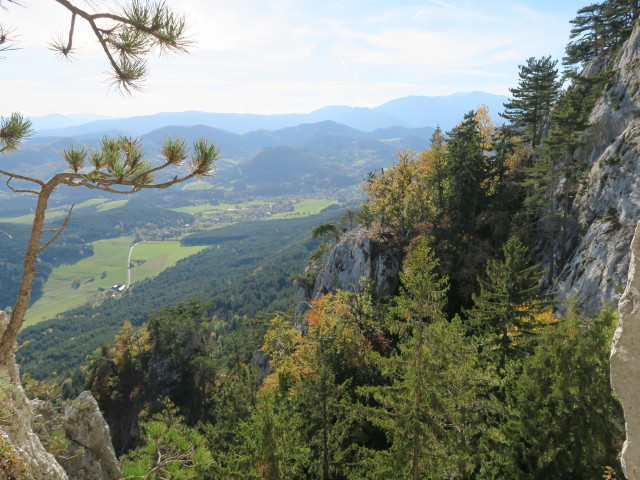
(304, 208)
(114, 204)
(156, 256)
(69, 286)
(206, 207)
(198, 185)
(63, 210)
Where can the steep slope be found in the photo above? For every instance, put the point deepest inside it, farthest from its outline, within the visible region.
(625, 363)
(359, 257)
(607, 208)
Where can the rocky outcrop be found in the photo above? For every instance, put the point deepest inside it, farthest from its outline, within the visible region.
(359, 257)
(608, 204)
(86, 452)
(16, 432)
(625, 363)
(79, 436)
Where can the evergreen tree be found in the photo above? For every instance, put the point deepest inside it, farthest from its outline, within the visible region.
(466, 171)
(552, 181)
(170, 450)
(508, 308)
(435, 159)
(531, 103)
(599, 28)
(567, 422)
(429, 408)
(127, 36)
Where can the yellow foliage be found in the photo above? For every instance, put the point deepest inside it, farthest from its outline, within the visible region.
(333, 331)
(486, 127)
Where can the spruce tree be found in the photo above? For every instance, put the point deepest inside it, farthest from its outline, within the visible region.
(429, 408)
(506, 309)
(567, 422)
(531, 103)
(466, 171)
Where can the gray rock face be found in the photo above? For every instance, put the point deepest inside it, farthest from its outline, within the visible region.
(16, 426)
(89, 432)
(86, 453)
(625, 363)
(359, 256)
(607, 207)
(89, 455)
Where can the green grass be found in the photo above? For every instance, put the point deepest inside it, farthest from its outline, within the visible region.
(58, 211)
(110, 205)
(206, 207)
(157, 256)
(198, 185)
(28, 218)
(110, 256)
(304, 208)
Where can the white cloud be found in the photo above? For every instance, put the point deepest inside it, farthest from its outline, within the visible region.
(292, 55)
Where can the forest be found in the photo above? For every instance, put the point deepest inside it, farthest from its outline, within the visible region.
(469, 371)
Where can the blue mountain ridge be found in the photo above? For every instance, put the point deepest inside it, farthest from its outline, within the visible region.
(410, 112)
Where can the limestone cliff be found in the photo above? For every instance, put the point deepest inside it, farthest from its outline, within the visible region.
(24, 425)
(607, 206)
(87, 453)
(625, 363)
(16, 432)
(360, 256)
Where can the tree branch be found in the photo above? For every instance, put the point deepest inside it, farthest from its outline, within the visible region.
(58, 231)
(22, 177)
(11, 176)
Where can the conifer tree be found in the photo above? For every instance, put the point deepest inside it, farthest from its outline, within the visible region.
(567, 422)
(508, 307)
(435, 159)
(466, 171)
(532, 100)
(127, 36)
(552, 181)
(427, 409)
(599, 28)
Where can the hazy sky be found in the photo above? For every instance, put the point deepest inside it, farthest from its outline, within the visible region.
(280, 56)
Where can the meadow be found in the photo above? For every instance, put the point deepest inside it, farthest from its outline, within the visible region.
(72, 285)
(207, 207)
(304, 208)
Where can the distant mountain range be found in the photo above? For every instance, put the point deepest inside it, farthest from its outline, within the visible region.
(410, 112)
(331, 148)
(325, 155)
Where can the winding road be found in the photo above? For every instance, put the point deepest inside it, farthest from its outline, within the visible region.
(129, 265)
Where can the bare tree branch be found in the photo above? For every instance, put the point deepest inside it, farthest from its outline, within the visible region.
(58, 231)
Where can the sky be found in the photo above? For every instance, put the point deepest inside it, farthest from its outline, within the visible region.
(288, 56)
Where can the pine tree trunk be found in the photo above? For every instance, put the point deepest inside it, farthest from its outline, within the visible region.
(29, 271)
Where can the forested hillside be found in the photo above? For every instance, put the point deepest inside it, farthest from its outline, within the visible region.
(246, 271)
(467, 371)
(473, 366)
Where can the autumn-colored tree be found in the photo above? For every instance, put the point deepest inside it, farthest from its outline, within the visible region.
(398, 196)
(313, 375)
